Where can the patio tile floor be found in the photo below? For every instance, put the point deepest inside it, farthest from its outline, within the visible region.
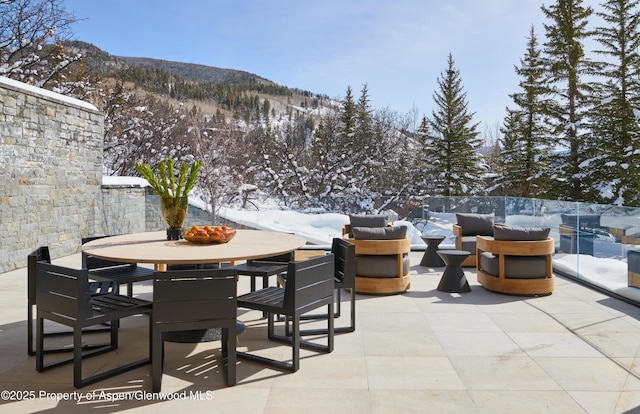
(424, 351)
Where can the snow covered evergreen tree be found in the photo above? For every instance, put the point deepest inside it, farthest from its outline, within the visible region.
(567, 70)
(363, 144)
(348, 116)
(526, 132)
(454, 138)
(616, 163)
(424, 171)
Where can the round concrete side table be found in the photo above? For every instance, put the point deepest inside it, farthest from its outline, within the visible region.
(453, 279)
(431, 258)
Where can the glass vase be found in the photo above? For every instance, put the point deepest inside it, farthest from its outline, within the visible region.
(174, 211)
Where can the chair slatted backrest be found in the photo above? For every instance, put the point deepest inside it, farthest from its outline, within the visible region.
(345, 262)
(184, 296)
(63, 291)
(280, 258)
(92, 262)
(41, 254)
(309, 283)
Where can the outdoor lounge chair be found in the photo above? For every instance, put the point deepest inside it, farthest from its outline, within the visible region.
(516, 261)
(467, 227)
(382, 261)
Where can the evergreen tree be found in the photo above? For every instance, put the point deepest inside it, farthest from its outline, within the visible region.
(266, 108)
(616, 165)
(362, 147)
(337, 157)
(425, 173)
(455, 142)
(524, 159)
(567, 68)
(348, 113)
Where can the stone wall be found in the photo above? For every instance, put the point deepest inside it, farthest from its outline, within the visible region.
(123, 210)
(50, 172)
(51, 190)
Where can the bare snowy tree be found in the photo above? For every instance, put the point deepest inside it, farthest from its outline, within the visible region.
(31, 32)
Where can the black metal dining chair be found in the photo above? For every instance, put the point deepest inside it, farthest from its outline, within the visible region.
(119, 273)
(309, 286)
(42, 254)
(344, 278)
(63, 296)
(264, 268)
(194, 299)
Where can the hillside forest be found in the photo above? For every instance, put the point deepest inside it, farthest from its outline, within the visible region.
(570, 132)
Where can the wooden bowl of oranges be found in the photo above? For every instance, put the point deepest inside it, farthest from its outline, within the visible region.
(209, 234)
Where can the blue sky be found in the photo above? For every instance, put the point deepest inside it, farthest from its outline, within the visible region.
(398, 48)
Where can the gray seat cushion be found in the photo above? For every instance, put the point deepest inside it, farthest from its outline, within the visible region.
(469, 244)
(380, 266)
(515, 267)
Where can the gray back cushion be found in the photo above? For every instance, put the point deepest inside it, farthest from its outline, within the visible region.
(520, 233)
(475, 224)
(370, 220)
(379, 233)
(381, 266)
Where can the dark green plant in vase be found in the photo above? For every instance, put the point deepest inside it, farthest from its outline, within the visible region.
(173, 191)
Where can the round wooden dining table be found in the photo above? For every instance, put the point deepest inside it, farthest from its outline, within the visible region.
(153, 247)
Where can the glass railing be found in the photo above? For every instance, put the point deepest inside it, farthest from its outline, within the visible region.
(595, 243)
